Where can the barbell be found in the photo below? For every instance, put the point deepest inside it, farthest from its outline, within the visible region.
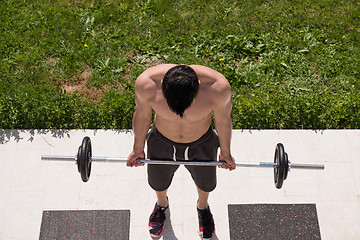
(281, 164)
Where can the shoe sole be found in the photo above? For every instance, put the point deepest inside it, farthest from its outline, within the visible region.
(158, 236)
(205, 238)
(155, 236)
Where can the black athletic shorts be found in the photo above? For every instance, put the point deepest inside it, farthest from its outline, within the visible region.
(161, 148)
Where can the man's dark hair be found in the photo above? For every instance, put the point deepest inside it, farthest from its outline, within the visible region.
(180, 87)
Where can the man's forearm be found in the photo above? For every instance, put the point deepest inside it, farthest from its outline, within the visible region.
(140, 124)
(224, 131)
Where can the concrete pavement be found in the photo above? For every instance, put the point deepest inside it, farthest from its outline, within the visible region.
(29, 186)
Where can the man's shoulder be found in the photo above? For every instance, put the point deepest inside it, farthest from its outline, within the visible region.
(204, 71)
(144, 81)
(145, 86)
(210, 75)
(220, 88)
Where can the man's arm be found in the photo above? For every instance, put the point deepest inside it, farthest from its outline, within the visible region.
(222, 118)
(141, 119)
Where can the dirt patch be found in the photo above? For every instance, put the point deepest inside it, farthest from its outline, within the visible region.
(84, 75)
(52, 61)
(80, 87)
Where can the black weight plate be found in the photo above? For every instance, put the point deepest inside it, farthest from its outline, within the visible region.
(85, 161)
(78, 158)
(286, 166)
(279, 169)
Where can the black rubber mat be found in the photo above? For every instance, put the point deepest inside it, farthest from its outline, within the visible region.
(99, 224)
(273, 221)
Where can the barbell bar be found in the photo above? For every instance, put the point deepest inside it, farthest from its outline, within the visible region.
(281, 164)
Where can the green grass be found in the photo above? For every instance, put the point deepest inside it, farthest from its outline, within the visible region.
(291, 64)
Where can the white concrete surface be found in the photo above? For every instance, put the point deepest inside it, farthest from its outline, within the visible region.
(29, 186)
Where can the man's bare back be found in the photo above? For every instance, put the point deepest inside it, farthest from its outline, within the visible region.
(213, 88)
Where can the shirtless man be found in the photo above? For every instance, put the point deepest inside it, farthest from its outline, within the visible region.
(183, 98)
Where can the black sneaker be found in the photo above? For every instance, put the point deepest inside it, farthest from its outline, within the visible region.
(156, 220)
(206, 223)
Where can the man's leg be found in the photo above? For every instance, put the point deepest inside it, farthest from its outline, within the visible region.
(162, 198)
(157, 217)
(203, 198)
(206, 221)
